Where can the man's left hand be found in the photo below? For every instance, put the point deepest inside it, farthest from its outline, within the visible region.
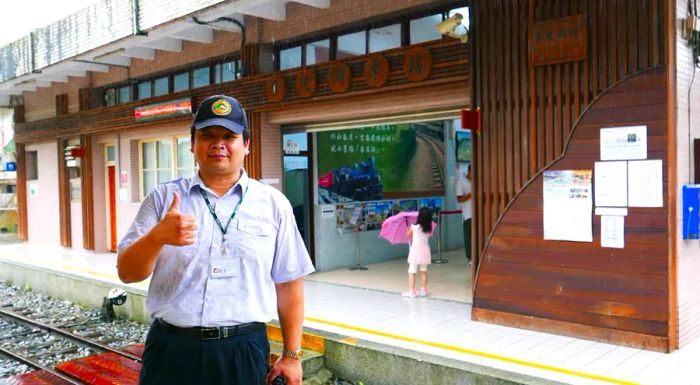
(289, 368)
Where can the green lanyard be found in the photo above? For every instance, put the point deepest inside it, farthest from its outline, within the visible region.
(216, 218)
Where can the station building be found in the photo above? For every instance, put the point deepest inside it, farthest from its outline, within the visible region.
(355, 109)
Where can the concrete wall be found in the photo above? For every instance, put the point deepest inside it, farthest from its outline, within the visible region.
(687, 129)
(42, 206)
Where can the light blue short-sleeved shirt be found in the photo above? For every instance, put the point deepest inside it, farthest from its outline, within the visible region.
(218, 280)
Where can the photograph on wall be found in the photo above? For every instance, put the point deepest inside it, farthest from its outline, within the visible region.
(568, 205)
(376, 213)
(463, 146)
(381, 162)
(346, 218)
(434, 204)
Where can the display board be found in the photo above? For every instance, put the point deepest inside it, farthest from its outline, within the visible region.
(379, 162)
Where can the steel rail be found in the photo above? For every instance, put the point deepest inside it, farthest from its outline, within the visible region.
(63, 333)
(37, 365)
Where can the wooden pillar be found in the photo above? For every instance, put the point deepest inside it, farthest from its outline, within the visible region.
(63, 195)
(22, 233)
(252, 162)
(86, 194)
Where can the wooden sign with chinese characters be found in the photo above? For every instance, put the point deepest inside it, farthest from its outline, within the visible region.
(276, 88)
(558, 41)
(306, 83)
(339, 77)
(376, 70)
(417, 63)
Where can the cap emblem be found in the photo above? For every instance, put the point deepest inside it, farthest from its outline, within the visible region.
(221, 107)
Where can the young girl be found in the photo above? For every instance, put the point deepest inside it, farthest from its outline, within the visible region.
(419, 253)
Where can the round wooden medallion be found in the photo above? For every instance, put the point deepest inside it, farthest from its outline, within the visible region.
(306, 83)
(376, 70)
(276, 88)
(339, 77)
(417, 63)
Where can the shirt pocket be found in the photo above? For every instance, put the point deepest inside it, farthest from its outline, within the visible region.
(256, 239)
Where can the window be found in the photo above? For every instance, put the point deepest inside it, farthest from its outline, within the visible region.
(74, 182)
(161, 161)
(185, 158)
(226, 72)
(318, 52)
(143, 90)
(384, 38)
(230, 70)
(290, 58)
(32, 166)
(181, 82)
(110, 97)
(125, 94)
(156, 163)
(352, 44)
(200, 77)
(161, 86)
(423, 29)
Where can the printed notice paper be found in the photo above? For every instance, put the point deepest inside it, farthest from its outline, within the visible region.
(612, 231)
(568, 205)
(645, 183)
(610, 184)
(622, 143)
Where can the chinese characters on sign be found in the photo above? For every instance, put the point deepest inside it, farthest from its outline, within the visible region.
(363, 143)
(276, 88)
(558, 41)
(568, 205)
(417, 64)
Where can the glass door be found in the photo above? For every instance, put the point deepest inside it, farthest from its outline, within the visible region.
(297, 158)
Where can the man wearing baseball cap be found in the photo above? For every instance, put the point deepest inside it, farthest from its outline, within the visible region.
(223, 253)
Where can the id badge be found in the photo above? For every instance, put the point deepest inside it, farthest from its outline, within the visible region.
(223, 269)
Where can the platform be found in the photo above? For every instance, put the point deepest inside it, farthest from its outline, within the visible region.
(363, 309)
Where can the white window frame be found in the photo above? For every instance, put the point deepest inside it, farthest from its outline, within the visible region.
(173, 158)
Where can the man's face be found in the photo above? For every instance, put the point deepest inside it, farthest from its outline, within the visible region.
(219, 151)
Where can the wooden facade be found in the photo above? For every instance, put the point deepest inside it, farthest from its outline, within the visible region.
(548, 117)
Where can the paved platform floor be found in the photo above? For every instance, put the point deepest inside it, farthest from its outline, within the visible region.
(366, 305)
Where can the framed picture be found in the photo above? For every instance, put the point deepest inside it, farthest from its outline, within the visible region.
(463, 146)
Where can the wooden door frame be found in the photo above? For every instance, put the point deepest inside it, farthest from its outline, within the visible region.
(108, 212)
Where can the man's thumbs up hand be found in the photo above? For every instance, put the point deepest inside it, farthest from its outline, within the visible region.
(175, 205)
(175, 228)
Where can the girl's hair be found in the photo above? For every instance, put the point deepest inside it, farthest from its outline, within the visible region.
(425, 219)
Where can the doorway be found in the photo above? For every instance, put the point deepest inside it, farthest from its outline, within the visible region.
(297, 183)
(111, 197)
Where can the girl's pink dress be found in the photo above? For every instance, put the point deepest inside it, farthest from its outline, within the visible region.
(419, 252)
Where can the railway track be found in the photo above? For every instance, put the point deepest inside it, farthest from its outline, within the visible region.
(437, 167)
(35, 345)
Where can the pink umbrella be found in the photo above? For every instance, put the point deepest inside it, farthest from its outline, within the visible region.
(394, 228)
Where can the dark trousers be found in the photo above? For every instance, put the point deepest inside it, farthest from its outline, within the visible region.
(170, 359)
(467, 228)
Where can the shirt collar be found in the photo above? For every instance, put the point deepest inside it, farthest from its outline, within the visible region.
(242, 181)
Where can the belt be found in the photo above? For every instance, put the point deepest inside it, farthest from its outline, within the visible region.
(212, 333)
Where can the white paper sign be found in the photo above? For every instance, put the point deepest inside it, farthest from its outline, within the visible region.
(568, 205)
(123, 197)
(610, 184)
(645, 183)
(612, 231)
(327, 211)
(621, 143)
(34, 190)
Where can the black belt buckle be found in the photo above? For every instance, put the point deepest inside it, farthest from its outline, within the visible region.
(211, 334)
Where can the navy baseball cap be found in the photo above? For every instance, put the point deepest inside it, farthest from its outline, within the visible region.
(220, 110)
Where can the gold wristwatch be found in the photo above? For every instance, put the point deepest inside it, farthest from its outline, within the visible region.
(296, 354)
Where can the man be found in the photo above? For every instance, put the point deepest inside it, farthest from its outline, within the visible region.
(217, 243)
(464, 197)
